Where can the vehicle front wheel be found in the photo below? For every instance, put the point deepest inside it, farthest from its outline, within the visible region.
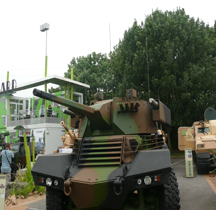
(169, 194)
(55, 199)
(165, 197)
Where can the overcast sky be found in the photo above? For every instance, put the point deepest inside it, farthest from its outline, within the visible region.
(77, 28)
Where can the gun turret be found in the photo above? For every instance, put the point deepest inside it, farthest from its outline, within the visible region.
(115, 117)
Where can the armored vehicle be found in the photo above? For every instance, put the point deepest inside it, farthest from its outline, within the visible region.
(119, 159)
(201, 138)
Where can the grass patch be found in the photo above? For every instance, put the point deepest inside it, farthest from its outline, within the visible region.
(27, 188)
(27, 177)
(177, 153)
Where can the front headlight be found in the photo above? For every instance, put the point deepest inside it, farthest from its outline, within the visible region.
(147, 180)
(48, 182)
(56, 182)
(139, 181)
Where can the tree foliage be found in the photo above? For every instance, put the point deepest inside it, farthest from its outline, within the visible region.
(170, 56)
(179, 52)
(94, 70)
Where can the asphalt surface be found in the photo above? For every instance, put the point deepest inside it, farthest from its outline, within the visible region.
(195, 193)
(38, 205)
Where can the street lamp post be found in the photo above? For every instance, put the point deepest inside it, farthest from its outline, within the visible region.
(43, 28)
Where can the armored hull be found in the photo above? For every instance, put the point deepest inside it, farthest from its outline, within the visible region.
(119, 159)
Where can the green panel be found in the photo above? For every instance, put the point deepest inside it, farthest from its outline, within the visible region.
(3, 128)
(97, 107)
(3, 112)
(126, 122)
(58, 93)
(183, 133)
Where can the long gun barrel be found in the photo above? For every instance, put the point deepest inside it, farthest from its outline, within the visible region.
(68, 112)
(74, 106)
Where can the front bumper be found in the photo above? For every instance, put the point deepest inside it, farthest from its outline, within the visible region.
(108, 186)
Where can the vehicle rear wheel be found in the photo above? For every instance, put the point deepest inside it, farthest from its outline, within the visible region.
(169, 194)
(55, 199)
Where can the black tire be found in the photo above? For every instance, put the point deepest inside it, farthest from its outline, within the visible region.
(55, 199)
(165, 197)
(169, 194)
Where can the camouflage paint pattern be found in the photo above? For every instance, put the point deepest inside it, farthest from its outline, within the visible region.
(111, 134)
(117, 116)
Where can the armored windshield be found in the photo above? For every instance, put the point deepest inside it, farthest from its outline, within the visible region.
(204, 130)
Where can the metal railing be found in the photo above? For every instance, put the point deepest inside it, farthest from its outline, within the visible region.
(35, 117)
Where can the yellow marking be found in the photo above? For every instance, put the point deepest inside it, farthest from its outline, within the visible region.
(211, 179)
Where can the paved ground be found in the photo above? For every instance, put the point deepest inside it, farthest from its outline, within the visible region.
(195, 193)
(38, 205)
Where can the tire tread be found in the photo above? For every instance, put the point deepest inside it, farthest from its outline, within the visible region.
(170, 193)
(54, 199)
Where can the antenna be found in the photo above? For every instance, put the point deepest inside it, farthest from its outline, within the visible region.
(147, 60)
(111, 58)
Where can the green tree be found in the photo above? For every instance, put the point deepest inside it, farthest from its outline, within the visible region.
(95, 70)
(181, 63)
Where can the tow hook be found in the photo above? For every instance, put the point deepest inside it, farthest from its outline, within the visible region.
(118, 185)
(67, 184)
